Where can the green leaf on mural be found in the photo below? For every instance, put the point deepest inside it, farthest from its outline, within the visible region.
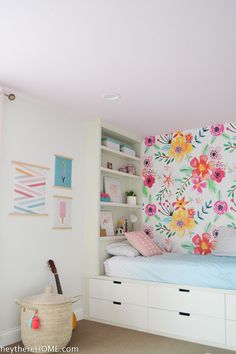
(211, 185)
(207, 227)
(226, 136)
(157, 217)
(185, 182)
(150, 198)
(204, 210)
(231, 191)
(146, 220)
(229, 216)
(186, 170)
(205, 149)
(161, 156)
(164, 229)
(189, 247)
(156, 147)
(216, 217)
(162, 193)
(230, 146)
(201, 134)
(213, 140)
(145, 191)
(146, 149)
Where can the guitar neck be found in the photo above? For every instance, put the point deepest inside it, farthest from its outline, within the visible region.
(59, 289)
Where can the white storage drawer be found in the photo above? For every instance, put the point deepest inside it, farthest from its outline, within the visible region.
(193, 327)
(231, 333)
(129, 293)
(231, 307)
(123, 314)
(187, 300)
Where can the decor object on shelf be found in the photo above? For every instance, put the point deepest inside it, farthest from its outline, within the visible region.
(63, 171)
(131, 169)
(133, 219)
(55, 313)
(112, 187)
(123, 169)
(62, 212)
(127, 149)
(29, 196)
(120, 231)
(111, 143)
(105, 197)
(131, 198)
(107, 222)
(109, 165)
(102, 232)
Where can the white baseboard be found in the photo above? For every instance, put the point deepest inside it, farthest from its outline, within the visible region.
(10, 336)
(13, 335)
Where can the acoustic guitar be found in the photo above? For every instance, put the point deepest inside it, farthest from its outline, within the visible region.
(53, 269)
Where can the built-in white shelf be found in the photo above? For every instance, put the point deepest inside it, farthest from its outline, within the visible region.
(122, 205)
(119, 153)
(118, 173)
(112, 238)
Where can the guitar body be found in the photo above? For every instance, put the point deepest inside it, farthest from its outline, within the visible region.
(53, 269)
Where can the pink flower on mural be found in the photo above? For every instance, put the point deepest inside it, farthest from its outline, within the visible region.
(220, 207)
(150, 209)
(149, 181)
(203, 244)
(149, 140)
(217, 175)
(198, 184)
(147, 162)
(217, 129)
(214, 153)
(149, 231)
(201, 166)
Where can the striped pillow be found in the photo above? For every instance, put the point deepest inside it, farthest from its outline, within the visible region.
(226, 243)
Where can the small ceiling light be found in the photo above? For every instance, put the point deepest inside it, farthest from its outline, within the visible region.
(111, 96)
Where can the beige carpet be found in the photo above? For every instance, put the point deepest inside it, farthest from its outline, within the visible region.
(96, 338)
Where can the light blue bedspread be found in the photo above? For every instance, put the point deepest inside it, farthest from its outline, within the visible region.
(195, 270)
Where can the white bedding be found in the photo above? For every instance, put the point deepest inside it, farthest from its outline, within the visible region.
(186, 269)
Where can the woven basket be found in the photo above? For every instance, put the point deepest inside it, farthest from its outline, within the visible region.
(55, 314)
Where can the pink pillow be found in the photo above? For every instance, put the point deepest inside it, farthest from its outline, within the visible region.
(143, 243)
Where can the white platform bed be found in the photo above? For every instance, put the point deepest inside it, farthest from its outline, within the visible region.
(202, 314)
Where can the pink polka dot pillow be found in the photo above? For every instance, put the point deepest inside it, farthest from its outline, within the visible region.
(144, 244)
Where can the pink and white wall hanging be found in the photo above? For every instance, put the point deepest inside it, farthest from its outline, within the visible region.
(62, 212)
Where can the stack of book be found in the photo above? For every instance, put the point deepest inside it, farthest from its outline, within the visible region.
(104, 197)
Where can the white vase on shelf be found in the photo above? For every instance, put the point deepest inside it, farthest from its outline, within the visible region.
(131, 200)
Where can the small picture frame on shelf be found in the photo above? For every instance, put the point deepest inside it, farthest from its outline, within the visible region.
(107, 223)
(112, 186)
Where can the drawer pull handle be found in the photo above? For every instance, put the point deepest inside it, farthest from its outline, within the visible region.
(116, 282)
(184, 290)
(116, 303)
(184, 314)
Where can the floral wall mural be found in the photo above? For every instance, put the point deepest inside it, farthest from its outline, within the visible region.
(189, 187)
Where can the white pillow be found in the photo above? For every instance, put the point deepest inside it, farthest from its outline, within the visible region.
(226, 243)
(122, 249)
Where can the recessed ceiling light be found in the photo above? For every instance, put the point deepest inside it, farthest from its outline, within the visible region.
(111, 96)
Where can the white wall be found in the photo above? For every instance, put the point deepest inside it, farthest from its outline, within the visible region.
(33, 133)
